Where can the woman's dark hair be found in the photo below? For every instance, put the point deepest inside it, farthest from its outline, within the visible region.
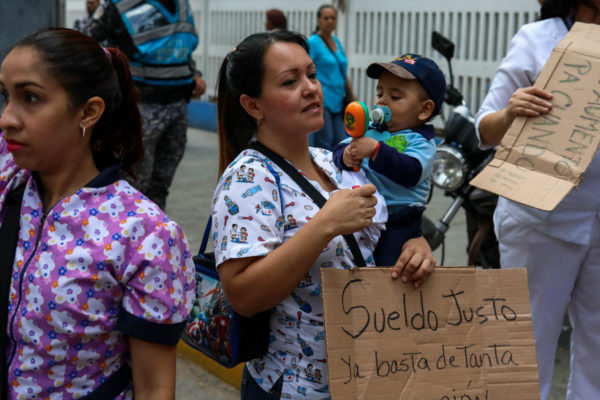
(242, 72)
(563, 8)
(320, 10)
(85, 69)
(277, 18)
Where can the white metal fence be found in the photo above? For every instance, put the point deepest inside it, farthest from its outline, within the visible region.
(375, 30)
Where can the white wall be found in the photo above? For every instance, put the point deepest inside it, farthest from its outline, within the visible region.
(371, 31)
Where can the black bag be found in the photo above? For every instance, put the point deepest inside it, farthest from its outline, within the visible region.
(213, 327)
(9, 237)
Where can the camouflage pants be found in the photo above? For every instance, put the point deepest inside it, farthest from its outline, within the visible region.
(164, 127)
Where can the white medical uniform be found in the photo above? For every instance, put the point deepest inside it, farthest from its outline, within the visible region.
(561, 248)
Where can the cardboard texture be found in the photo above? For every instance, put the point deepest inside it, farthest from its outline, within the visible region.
(465, 334)
(541, 159)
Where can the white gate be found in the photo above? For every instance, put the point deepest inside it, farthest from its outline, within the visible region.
(375, 30)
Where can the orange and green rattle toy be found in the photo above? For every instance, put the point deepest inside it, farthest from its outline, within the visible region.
(357, 119)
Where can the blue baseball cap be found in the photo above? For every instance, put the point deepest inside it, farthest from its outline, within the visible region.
(414, 66)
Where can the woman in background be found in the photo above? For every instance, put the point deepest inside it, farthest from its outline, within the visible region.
(275, 20)
(332, 66)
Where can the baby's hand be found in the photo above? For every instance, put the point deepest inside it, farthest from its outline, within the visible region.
(363, 147)
(349, 159)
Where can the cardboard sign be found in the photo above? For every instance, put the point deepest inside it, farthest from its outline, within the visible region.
(465, 334)
(541, 159)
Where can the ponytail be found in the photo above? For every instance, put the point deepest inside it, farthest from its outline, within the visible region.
(118, 134)
(235, 127)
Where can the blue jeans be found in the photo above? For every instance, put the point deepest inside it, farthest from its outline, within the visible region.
(250, 390)
(332, 133)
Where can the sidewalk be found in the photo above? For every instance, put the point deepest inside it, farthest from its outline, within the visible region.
(189, 205)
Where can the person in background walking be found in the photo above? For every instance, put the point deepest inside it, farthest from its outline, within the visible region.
(328, 55)
(98, 280)
(560, 248)
(93, 10)
(158, 37)
(275, 20)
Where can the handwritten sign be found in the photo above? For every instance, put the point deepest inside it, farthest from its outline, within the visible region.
(541, 159)
(466, 334)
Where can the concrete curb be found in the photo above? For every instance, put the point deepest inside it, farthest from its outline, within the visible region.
(232, 376)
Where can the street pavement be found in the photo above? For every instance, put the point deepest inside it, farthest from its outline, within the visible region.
(189, 205)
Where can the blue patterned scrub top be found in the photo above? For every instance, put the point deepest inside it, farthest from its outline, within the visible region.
(248, 221)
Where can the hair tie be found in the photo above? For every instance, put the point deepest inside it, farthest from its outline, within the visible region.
(107, 53)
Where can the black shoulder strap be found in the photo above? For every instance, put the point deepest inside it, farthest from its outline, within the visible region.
(310, 190)
(334, 56)
(9, 236)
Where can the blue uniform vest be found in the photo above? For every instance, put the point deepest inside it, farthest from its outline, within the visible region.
(164, 41)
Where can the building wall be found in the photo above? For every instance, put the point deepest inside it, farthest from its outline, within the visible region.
(371, 31)
(20, 18)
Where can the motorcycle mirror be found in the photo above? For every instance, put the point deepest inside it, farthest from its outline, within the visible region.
(446, 47)
(443, 45)
(453, 96)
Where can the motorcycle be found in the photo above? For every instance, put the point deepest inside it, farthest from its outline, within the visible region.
(458, 159)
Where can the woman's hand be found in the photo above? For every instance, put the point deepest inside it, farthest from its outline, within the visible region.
(348, 211)
(254, 284)
(199, 88)
(416, 262)
(527, 102)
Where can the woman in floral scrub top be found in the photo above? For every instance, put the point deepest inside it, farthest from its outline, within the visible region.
(102, 280)
(270, 238)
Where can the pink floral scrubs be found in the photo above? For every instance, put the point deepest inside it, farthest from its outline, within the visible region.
(100, 265)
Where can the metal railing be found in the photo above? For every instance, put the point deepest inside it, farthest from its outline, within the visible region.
(371, 31)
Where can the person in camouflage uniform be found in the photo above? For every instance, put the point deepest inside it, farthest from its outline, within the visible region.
(165, 85)
(165, 137)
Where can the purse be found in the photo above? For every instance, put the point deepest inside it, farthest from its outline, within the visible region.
(213, 327)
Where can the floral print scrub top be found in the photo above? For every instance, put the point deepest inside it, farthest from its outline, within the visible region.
(252, 215)
(102, 264)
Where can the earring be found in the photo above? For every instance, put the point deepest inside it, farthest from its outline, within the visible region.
(83, 132)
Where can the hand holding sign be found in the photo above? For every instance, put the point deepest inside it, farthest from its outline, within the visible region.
(466, 333)
(541, 159)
